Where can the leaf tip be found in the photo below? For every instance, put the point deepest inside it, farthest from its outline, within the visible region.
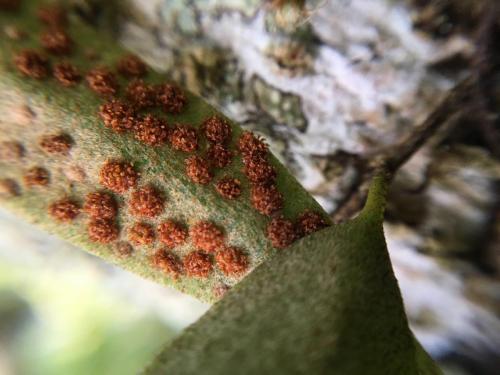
(377, 197)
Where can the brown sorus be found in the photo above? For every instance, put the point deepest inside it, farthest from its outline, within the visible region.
(53, 16)
(118, 176)
(281, 232)
(64, 210)
(206, 236)
(100, 205)
(217, 129)
(231, 261)
(197, 264)
(57, 42)
(219, 155)
(167, 262)
(131, 66)
(151, 130)
(198, 170)
(140, 94)
(102, 81)
(123, 249)
(9, 187)
(36, 176)
(117, 115)
(170, 98)
(11, 150)
(310, 222)
(250, 144)
(184, 138)
(32, 64)
(229, 188)
(172, 233)
(258, 170)
(102, 230)
(67, 74)
(266, 199)
(141, 234)
(146, 202)
(56, 144)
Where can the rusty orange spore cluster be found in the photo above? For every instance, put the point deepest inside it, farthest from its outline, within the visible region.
(67, 74)
(64, 210)
(141, 234)
(206, 236)
(198, 170)
(100, 204)
(56, 143)
(146, 202)
(118, 115)
(118, 176)
(172, 233)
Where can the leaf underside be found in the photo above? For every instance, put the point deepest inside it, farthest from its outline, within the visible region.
(52, 108)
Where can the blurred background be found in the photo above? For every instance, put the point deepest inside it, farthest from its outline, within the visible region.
(324, 84)
(63, 311)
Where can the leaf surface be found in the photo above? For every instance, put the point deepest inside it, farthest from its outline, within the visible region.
(329, 304)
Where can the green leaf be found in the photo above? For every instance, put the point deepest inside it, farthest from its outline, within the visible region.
(329, 304)
(31, 109)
